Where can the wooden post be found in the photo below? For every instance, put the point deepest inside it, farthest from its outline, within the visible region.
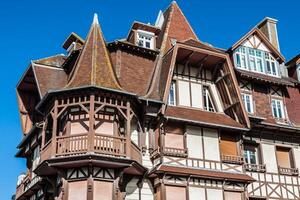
(91, 135)
(162, 134)
(90, 188)
(54, 128)
(128, 130)
(44, 133)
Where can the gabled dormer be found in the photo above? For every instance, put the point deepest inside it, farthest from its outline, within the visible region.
(198, 84)
(255, 53)
(143, 35)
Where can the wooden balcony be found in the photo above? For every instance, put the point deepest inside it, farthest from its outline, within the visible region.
(26, 185)
(177, 152)
(233, 159)
(81, 144)
(255, 167)
(288, 171)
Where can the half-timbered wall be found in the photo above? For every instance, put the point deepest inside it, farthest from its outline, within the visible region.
(189, 87)
(182, 188)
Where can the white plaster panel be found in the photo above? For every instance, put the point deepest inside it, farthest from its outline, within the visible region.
(194, 142)
(297, 157)
(184, 93)
(269, 156)
(196, 95)
(214, 194)
(196, 193)
(211, 144)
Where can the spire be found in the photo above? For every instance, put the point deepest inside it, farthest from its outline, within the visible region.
(176, 26)
(93, 66)
(95, 20)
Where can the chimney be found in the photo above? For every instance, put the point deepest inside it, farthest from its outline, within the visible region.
(268, 27)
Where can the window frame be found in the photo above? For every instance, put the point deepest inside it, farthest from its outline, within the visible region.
(252, 59)
(207, 97)
(173, 87)
(145, 35)
(250, 102)
(281, 104)
(256, 154)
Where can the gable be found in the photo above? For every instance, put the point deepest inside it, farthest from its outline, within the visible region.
(256, 43)
(255, 38)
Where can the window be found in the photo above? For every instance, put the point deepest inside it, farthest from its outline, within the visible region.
(191, 94)
(270, 64)
(175, 193)
(284, 157)
(298, 72)
(248, 102)
(241, 58)
(251, 154)
(277, 109)
(207, 101)
(256, 63)
(145, 39)
(228, 195)
(256, 60)
(172, 94)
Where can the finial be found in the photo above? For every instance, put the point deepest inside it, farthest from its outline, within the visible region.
(95, 20)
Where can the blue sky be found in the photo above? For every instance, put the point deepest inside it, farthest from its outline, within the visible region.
(34, 29)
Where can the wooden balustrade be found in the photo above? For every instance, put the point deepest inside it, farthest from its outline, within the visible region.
(72, 145)
(255, 167)
(109, 145)
(79, 144)
(170, 151)
(288, 171)
(136, 153)
(26, 184)
(232, 159)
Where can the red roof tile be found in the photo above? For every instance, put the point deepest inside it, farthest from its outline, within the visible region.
(203, 117)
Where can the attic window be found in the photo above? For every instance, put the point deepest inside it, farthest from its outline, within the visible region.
(145, 39)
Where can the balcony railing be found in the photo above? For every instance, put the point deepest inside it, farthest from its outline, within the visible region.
(288, 171)
(233, 159)
(170, 151)
(80, 144)
(255, 167)
(26, 185)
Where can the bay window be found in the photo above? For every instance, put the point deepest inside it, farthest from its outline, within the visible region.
(277, 109)
(241, 58)
(270, 65)
(256, 60)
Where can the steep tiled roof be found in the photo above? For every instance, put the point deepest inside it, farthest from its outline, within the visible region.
(175, 27)
(49, 78)
(202, 45)
(264, 78)
(93, 66)
(256, 31)
(55, 61)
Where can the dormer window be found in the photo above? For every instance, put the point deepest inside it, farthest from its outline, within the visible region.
(270, 64)
(145, 39)
(256, 60)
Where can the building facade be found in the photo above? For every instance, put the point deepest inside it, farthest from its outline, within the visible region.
(161, 115)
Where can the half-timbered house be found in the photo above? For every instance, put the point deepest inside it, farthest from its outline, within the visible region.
(161, 115)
